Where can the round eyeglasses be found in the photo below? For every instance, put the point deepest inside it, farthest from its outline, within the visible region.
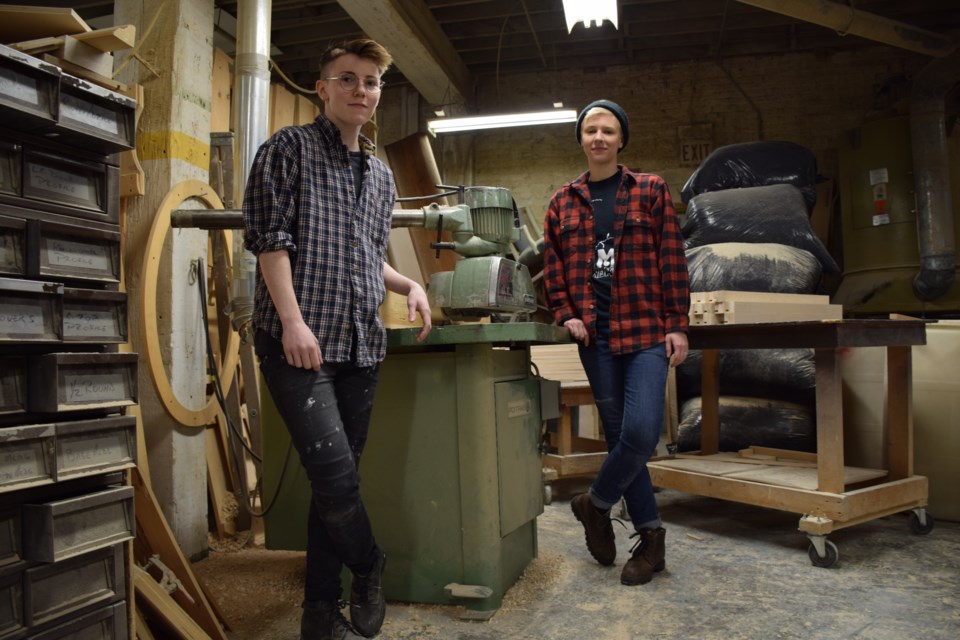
(349, 82)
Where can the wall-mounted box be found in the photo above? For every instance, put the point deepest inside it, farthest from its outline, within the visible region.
(61, 529)
(94, 316)
(69, 186)
(68, 587)
(12, 245)
(11, 605)
(13, 385)
(10, 551)
(93, 117)
(30, 311)
(73, 381)
(26, 456)
(88, 447)
(29, 91)
(73, 251)
(108, 623)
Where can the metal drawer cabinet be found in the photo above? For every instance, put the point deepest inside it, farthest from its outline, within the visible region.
(63, 528)
(75, 381)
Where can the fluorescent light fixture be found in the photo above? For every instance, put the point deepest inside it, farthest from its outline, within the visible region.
(449, 125)
(589, 11)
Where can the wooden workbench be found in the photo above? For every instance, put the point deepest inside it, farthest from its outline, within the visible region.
(827, 494)
(571, 455)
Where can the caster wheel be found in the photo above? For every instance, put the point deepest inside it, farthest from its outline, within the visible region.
(547, 494)
(919, 528)
(826, 561)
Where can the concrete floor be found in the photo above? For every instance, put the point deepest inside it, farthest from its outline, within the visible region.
(733, 571)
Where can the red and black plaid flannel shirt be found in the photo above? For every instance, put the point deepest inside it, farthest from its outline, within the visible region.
(651, 293)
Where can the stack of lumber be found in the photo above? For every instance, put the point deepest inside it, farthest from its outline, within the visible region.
(59, 36)
(559, 362)
(741, 307)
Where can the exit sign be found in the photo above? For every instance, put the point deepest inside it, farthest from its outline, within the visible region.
(695, 142)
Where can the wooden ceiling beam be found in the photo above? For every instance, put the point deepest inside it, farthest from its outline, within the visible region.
(420, 48)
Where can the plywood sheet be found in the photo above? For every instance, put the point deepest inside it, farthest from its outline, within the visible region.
(18, 23)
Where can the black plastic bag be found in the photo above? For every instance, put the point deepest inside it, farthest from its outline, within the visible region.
(773, 214)
(747, 422)
(775, 374)
(739, 266)
(755, 164)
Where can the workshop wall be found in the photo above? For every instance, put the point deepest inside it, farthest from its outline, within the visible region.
(808, 98)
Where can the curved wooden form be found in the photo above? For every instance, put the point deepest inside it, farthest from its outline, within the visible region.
(149, 318)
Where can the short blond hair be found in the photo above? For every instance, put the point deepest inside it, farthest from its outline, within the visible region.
(362, 48)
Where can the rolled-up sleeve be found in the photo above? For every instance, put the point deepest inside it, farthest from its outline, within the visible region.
(271, 200)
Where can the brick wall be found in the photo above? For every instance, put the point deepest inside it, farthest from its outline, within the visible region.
(808, 98)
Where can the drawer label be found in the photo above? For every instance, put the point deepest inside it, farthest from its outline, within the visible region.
(59, 182)
(19, 86)
(93, 450)
(89, 386)
(21, 462)
(92, 115)
(66, 253)
(21, 319)
(89, 322)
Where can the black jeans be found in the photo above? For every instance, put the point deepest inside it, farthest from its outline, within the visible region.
(327, 413)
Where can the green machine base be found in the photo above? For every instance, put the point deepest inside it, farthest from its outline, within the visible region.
(451, 471)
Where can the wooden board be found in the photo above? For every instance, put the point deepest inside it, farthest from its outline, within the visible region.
(283, 105)
(220, 118)
(558, 362)
(745, 307)
(18, 23)
(110, 38)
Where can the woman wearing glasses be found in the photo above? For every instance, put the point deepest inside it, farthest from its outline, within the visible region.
(317, 216)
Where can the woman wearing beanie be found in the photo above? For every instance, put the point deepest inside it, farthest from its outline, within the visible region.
(616, 278)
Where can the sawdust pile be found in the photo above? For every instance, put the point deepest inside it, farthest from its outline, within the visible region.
(543, 573)
(254, 588)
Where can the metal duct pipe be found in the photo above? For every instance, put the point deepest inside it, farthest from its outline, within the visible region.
(252, 100)
(938, 258)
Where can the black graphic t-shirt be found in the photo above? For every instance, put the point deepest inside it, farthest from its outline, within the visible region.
(603, 195)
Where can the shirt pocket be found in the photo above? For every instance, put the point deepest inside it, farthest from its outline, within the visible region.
(570, 230)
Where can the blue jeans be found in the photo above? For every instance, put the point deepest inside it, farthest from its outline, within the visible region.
(629, 391)
(327, 413)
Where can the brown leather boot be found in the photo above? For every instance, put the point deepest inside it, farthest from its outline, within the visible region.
(647, 558)
(597, 528)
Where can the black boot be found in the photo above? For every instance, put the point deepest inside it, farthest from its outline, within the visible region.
(323, 621)
(367, 604)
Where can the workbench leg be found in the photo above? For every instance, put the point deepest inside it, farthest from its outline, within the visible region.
(829, 422)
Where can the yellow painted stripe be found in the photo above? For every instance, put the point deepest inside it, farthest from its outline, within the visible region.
(169, 145)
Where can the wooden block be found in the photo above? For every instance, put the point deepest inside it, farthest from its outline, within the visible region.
(83, 55)
(110, 38)
(18, 23)
(764, 296)
(104, 81)
(752, 312)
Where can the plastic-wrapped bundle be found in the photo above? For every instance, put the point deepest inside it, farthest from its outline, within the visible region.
(746, 422)
(776, 374)
(755, 164)
(739, 266)
(774, 214)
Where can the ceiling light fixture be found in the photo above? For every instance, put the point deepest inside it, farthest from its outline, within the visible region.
(449, 125)
(589, 11)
